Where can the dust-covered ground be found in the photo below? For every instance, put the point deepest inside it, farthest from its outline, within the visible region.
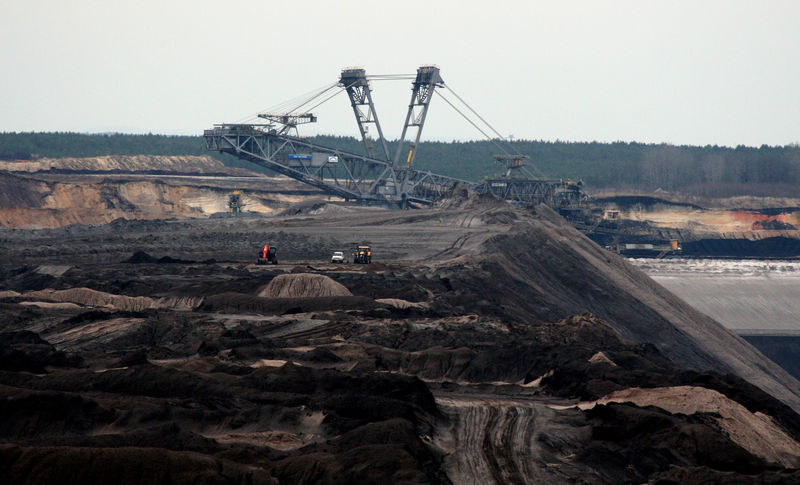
(484, 344)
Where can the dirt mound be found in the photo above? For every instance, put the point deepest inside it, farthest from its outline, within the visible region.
(639, 442)
(93, 298)
(303, 285)
(755, 432)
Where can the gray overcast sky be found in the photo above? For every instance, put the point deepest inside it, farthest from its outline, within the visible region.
(682, 72)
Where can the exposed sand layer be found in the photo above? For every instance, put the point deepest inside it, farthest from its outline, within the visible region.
(93, 298)
(754, 432)
(402, 304)
(132, 163)
(41, 200)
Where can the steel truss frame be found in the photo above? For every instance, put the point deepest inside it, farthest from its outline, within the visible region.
(428, 78)
(554, 193)
(358, 90)
(522, 191)
(336, 172)
(367, 179)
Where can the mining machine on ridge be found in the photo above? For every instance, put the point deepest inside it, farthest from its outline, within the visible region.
(378, 178)
(372, 179)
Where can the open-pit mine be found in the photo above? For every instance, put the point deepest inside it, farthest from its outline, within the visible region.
(484, 343)
(173, 320)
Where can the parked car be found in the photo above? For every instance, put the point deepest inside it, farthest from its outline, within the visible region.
(338, 257)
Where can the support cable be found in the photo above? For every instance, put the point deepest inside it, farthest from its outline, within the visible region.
(314, 98)
(403, 75)
(306, 97)
(500, 136)
(493, 140)
(390, 77)
(475, 112)
(303, 97)
(328, 98)
(473, 123)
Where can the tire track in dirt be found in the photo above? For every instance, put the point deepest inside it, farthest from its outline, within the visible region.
(499, 441)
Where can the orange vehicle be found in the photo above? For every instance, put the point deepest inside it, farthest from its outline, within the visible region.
(269, 254)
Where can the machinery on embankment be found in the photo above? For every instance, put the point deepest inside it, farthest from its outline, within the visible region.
(376, 177)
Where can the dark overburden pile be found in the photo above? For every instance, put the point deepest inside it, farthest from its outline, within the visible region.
(462, 360)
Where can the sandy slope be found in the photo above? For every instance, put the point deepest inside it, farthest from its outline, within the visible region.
(755, 432)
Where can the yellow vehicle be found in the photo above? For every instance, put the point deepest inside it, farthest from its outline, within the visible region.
(362, 255)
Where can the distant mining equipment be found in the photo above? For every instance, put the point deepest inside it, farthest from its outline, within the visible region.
(378, 177)
(236, 203)
(520, 187)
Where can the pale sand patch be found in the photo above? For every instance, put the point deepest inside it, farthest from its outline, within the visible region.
(755, 432)
(601, 358)
(279, 440)
(538, 381)
(268, 363)
(402, 304)
(50, 305)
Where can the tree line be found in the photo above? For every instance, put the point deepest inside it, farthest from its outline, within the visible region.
(699, 170)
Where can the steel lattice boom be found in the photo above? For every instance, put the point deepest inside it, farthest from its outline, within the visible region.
(427, 80)
(376, 178)
(358, 90)
(350, 176)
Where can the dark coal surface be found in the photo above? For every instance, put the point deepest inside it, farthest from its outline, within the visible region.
(706, 476)
(236, 388)
(772, 247)
(141, 257)
(782, 349)
(653, 440)
(639, 201)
